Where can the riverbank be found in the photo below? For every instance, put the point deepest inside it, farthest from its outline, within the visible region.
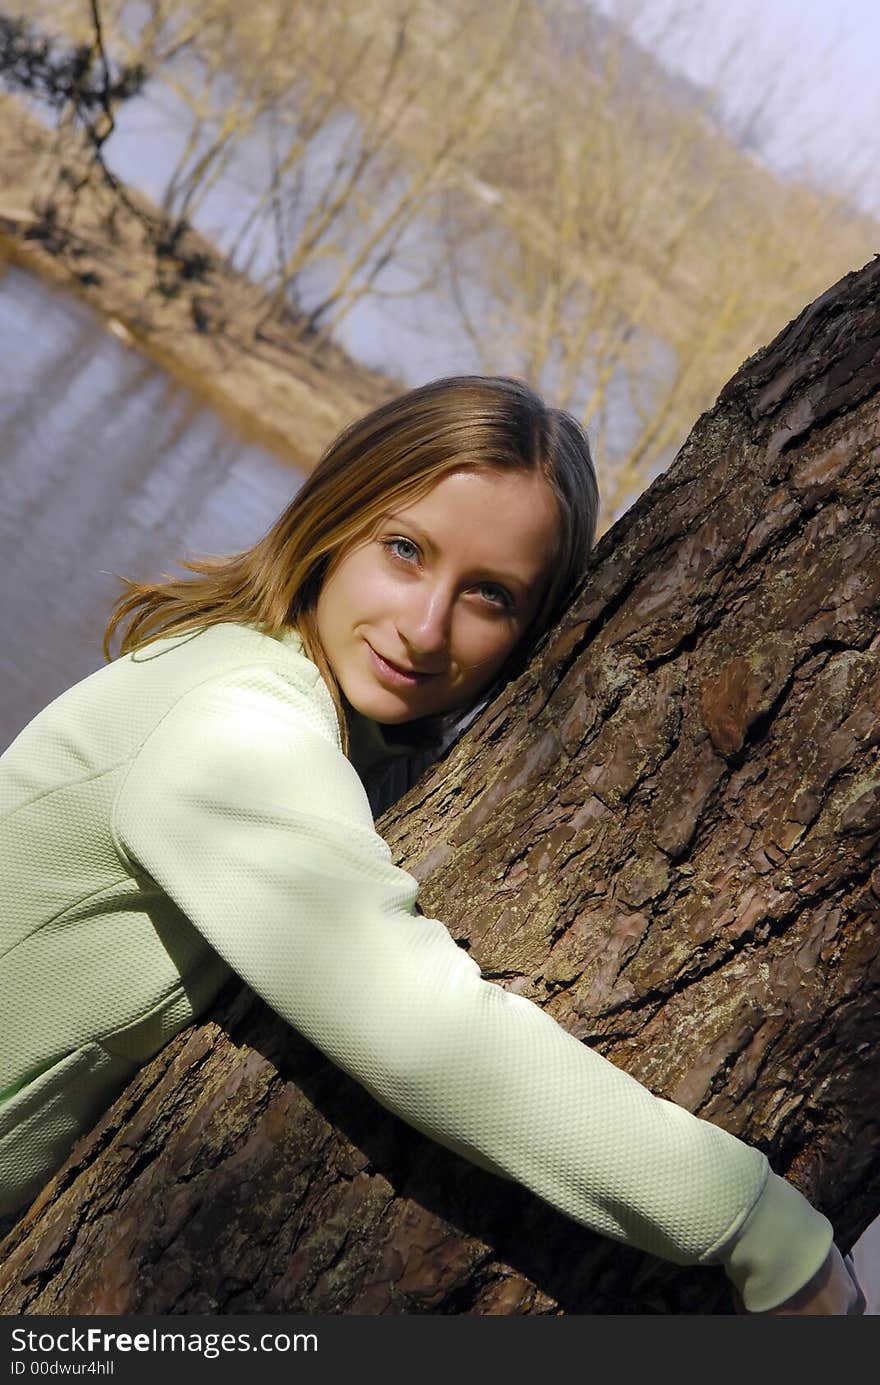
(177, 301)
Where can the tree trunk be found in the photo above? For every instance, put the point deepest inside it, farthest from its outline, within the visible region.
(665, 833)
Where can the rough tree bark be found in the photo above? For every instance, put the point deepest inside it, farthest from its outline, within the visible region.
(665, 833)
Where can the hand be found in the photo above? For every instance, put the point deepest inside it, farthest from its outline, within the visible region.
(833, 1290)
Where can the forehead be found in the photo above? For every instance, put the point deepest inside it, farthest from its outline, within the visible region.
(490, 518)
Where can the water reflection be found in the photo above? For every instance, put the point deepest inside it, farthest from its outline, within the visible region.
(106, 466)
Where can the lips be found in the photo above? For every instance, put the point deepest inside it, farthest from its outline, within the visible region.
(410, 672)
(393, 672)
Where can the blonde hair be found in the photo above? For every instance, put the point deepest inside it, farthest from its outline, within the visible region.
(392, 455)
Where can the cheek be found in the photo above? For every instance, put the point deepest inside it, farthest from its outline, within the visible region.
(486, 650)
(332, 604)
(359, 589)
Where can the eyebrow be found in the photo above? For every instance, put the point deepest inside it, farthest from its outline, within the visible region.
(505, 579)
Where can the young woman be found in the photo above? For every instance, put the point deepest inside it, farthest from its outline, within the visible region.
(204, 804)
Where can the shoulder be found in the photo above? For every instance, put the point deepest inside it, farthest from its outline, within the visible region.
(237, 676)
(250, 735)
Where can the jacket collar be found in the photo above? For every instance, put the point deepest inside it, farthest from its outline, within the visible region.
(368, 746)
(367, 743)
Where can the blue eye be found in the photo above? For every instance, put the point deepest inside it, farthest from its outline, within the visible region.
(390, 545)
(501, 597)
(501, 600)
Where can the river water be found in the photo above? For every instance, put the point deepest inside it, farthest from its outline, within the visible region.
(109, 466)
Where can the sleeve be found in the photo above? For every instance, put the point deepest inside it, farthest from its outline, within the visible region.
(252, 820)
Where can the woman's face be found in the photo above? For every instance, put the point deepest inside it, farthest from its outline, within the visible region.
(418, 618)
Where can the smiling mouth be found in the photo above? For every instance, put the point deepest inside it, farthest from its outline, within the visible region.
(402, 675)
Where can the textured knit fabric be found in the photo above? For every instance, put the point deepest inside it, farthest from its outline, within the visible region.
(187, 811)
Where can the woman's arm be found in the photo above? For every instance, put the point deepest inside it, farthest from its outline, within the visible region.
(249, 817)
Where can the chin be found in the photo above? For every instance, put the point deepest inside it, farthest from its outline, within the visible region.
(396, 717)
(381, 706)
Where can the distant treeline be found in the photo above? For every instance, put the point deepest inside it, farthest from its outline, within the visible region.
(592, 224)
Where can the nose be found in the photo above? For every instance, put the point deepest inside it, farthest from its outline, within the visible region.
(425, 622)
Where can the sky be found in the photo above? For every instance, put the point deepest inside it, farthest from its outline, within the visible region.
(812, 65)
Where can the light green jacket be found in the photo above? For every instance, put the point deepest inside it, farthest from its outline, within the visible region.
(187, 811)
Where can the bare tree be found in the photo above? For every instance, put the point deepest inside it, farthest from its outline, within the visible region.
(630, 253)
(602, 228)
